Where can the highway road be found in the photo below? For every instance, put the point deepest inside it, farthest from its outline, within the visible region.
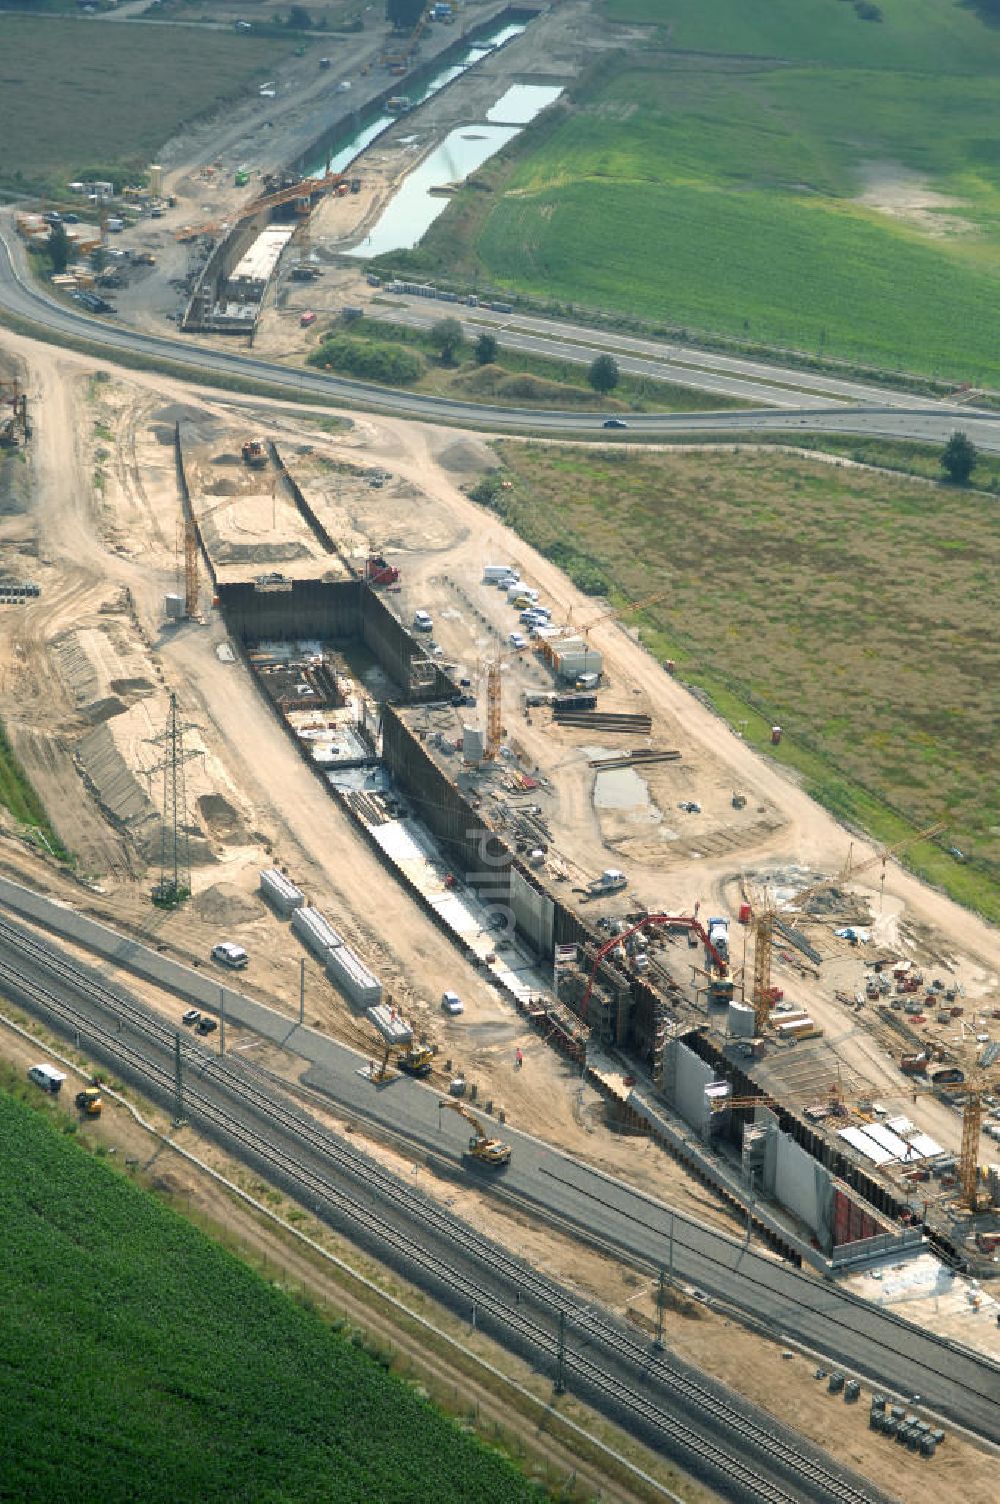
(797, 1307)
(756, 381)
(57, 321)
(727, 1442)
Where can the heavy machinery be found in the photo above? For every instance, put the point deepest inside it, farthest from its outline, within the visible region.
(674, 921)
(13, 428)
(615, 611)
(414, 1059)
(488, 1151)
(494, 701)
(90, 1101)
(254, 454)
(765, 913)
(301, 194)
(378, 571)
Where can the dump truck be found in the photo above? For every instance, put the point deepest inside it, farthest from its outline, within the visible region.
(254, 454)
(90, 1101)
(378, 571)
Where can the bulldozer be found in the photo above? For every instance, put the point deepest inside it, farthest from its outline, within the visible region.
(486, 1150)
(90, 1102)
(254, 454)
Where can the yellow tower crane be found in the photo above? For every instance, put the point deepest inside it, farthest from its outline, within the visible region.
(765, 913)
(494, 700)
(616, 611)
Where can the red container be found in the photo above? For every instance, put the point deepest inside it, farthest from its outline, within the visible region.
(744, 913)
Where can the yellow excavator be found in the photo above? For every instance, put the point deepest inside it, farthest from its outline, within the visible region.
(488, 1151)
(414, 1059)
(90, 1101)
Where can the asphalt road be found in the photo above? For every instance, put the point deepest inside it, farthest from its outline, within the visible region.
(822, 1317)
(56, 321)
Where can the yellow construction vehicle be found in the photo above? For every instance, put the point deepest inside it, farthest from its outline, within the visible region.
(90, 1101)
(414, 1059)
(488, 1151)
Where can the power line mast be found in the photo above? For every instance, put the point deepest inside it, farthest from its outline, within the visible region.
(174, 884)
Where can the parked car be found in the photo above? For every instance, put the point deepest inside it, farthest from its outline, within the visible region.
(228, 954)
(206, 1025)
(192, 1016)
(517, 640)
(452, 1003)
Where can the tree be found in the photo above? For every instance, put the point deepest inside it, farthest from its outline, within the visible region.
(486, 349)
(59, 248)
(958, 458)
(603, 374)
(299, 18)
(447, 338)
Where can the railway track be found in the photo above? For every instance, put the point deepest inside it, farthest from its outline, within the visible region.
(656, 1397)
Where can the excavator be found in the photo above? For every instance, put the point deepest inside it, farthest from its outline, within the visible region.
(488, 1151)
(414, 1059)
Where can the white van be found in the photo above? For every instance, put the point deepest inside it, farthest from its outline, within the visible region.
(423, 621)
(499, 574)
(47, 1077)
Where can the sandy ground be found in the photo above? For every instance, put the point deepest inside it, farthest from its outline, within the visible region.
(91, 542)
(95, 542)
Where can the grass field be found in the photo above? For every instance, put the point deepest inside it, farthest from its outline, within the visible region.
(522, 379)
(142, 1362)
(857, 610)
(79, 97)
(799, 177)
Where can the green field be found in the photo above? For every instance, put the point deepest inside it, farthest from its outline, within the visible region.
(141, 1362)
(858, 610)
(799, 177)
(514, 378)
(80, 98)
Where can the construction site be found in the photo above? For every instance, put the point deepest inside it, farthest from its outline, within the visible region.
(297, 707)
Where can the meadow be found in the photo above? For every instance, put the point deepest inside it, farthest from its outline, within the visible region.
(855, 609)
(513, 378)
(79, 98)
(142, 1361)
(785, 173)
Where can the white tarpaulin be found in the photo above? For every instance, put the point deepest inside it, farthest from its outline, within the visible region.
(858, 1139)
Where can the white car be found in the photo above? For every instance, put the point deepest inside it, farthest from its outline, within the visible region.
(452, 1003)
(228, 954)
(517, 640)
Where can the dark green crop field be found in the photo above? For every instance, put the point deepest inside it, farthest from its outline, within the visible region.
(142, 1364)
(782, 172)
(79, 97)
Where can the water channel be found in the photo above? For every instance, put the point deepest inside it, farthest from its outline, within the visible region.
(337, 150)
